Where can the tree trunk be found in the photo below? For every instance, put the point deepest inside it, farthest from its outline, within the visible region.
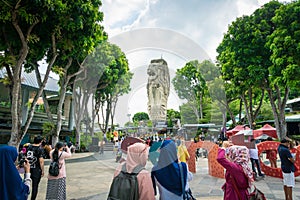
(232, 117)
(78, 112)
(16, 134)
(65, 80)
(16, 102)
(42, 85)
(240, 111)
(113, 110)
(278, 110)
(93, 112)
(81, 98)
(201, 105)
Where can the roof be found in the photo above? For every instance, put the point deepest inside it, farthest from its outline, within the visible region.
(30, 80)
(292, 118)
(200, 125)
(288, 118)
(293, 101)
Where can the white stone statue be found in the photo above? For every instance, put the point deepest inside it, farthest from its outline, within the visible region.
(158, 89)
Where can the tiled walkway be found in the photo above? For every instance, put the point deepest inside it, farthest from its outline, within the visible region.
(89, 176)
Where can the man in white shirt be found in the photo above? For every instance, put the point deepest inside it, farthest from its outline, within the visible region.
(255, 160)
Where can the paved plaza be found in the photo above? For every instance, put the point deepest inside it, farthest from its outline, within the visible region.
(89, 176)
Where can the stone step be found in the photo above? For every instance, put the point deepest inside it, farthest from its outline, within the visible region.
(108, 146)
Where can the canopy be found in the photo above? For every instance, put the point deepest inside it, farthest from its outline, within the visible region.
(236, 130)
(245, 132)
(262, 137)
(265, 130)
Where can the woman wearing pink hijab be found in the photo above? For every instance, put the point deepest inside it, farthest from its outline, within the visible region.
(137, 155)
(238, 174)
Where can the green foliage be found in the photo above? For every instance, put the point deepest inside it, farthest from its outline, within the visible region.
(48, 128)
(245, 59)
(40, 108)
(187, 114)
(284, 43)
(85, 141)
(265, 112)
(99, 135)
(172, 115)
(189, 82)
(46, 28)
(149, 123)
(214, 114)
(5, 104)
(140, 116)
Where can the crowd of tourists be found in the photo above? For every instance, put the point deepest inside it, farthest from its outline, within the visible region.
(30, 161)
(169, 177)
(170, 174)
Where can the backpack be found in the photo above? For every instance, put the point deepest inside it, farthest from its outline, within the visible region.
(54, 167)
(125, 185)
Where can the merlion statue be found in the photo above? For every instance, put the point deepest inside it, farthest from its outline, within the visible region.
(158, 89)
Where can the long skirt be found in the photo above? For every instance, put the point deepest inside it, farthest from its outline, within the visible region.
(56, 189)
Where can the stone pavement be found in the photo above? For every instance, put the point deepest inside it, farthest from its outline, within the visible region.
(89, 176)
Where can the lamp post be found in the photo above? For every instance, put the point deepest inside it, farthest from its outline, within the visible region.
(129, 115)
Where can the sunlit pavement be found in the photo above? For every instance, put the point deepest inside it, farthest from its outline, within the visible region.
(89, 176)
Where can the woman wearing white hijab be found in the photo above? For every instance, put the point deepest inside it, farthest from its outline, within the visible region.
(137, 155)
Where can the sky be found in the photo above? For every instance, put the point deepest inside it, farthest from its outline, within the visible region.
(175, 30)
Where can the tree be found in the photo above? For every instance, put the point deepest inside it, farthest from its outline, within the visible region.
(235, 55)
(284, 43)
(140, 116)
(190, 84)
(74, 29)
(115, 71)
(20, 22)
(122, 87)
(187, 114)
(80, 35)
(245, 59)
(218, 94)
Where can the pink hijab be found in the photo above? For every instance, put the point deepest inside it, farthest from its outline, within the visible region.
(137, 154)
(240, 155)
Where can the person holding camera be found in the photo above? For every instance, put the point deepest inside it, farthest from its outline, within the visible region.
(56, 186)
(11, 184)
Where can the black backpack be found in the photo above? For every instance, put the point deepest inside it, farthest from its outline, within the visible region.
(125, 185)
(54, 167)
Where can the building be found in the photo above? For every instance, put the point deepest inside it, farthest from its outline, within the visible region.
(29, 89)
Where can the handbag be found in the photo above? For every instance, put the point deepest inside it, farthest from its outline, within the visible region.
(256, 194)
(187, 194)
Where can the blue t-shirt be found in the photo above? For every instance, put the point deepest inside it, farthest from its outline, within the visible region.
(286, 165)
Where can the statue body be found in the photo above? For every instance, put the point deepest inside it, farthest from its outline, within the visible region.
(158, 89)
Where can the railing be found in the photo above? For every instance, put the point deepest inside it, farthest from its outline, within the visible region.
(38, 119)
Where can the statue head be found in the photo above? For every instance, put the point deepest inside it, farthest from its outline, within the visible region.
(158, 72)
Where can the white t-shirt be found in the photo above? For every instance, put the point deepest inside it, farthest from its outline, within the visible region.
(253, 153)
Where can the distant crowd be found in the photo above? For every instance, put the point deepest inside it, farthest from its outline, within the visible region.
(169, 177)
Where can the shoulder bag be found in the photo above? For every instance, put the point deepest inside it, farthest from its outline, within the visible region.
(256, 194)
(187, 195)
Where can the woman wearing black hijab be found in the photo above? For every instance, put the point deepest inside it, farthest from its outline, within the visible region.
(166, 174)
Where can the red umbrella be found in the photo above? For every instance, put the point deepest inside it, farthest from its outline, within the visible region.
(265, 130)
